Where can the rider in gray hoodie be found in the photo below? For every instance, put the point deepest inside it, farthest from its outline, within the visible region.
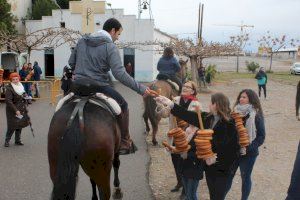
(93, 57)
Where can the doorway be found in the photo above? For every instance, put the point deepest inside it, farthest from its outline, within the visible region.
(49, 62)
(129, 57)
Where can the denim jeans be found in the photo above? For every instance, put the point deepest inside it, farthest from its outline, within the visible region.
(294, 188)
(190, 186)
(246, 164)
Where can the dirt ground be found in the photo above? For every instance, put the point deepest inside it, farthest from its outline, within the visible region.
(272, 171)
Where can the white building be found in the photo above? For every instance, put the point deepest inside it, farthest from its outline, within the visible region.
(88, 16)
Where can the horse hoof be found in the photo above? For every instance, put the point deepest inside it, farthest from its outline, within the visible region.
(94, 198)
(118, 194)
(154, 143)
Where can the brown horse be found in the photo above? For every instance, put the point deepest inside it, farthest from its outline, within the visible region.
(90, 138)
(150, 106)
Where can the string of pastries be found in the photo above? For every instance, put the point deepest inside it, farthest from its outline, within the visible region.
(242, 131)
(180, 140)
(29, 75)
(203, 144)
(1, 75)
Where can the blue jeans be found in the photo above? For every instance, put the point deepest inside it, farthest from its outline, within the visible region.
(27, 88)
(294, 189)
(190, 186)
(246, 164)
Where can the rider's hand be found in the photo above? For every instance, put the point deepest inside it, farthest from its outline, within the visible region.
(18, 113)
(147, 92)
(165, 101)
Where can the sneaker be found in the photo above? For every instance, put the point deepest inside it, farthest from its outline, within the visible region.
(19, 143)
(6, 144)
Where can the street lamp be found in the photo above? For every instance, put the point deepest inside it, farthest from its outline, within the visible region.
(61, 12)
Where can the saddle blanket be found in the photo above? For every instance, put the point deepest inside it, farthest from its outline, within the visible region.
(110, 101)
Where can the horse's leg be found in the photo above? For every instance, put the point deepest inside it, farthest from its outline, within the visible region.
(104, 187)
(145, 116)
(154, 123)
(116, 164)
(94, 197)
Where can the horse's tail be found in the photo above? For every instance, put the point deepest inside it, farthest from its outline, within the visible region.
(68, 163)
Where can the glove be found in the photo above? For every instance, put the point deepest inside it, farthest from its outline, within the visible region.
(165, 101)
(211, 160)
(243, 151)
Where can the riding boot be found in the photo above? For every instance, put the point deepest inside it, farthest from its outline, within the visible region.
(18, 137)
(127, 145)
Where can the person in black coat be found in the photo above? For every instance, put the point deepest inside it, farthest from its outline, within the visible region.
(294, 188)
(224, 143)
(15, 108)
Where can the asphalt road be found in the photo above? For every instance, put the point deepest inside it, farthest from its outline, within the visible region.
(24, 171)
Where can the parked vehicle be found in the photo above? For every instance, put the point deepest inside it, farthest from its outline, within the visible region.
(295, 68)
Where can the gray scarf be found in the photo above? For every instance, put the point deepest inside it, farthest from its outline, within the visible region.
(250, 122)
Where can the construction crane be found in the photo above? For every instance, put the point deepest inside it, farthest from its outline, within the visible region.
(241, 26)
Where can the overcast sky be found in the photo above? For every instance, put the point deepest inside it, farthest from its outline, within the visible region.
(181, 17)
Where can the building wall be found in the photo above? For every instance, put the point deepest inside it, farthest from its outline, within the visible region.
(19, 9)
(133, 30)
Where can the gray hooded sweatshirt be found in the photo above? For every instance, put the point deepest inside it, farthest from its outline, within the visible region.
(93, 57)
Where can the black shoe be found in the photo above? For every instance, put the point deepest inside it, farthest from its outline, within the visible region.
(132, 149)
(19, 143)
(176, 188)
(6, 144)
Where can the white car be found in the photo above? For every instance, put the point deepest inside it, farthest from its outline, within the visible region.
(295, 68)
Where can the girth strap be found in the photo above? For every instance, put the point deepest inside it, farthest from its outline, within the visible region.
(78, 109)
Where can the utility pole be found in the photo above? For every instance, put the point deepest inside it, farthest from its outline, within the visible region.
(200, 23)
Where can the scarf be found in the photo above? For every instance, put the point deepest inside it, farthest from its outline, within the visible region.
(189, 97)
(18, 88)
(244, 110)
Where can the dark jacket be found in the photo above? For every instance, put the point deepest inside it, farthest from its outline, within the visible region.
(37, 72)
(224, 143)
(252, 149)
(94, 56)
(23, 73)
(294, 188)
(191, 167)
(14, 103)
(169, 66)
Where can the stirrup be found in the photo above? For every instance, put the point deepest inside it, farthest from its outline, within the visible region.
(132, 149)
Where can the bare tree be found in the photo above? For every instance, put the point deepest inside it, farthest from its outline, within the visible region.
(274, 44)
(40, 39)
(197, 52)
(239, 41)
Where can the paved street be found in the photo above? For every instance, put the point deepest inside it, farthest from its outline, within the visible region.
(24, 171)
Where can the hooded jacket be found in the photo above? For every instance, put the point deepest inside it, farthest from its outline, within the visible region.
(95, 55)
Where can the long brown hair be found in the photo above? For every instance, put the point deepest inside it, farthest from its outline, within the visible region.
(222, 105)
(253, 100)
(168, 52)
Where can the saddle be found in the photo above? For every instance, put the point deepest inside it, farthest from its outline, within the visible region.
(87, 90)
(166, 78)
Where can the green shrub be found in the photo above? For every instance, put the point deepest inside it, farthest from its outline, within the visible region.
(42, 8)
(252, 66)
(210, 73)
